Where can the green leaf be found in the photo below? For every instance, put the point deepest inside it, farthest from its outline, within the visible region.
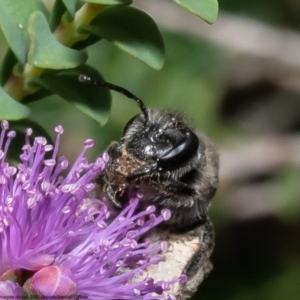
(131, 30)
(11, 109)
(207, 10)
(40, 94)
(109, 2)
(91, 100)
(45, 51)
(14, 17)
(59, 8)
(71, 6)
(90, 40)
(57, 11)
(8, 63)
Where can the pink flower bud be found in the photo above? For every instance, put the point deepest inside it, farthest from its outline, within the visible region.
(37, 262)
(54, 281)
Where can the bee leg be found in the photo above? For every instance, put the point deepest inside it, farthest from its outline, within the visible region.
(189, 216)
(142, 171)
(189, 224)
(178, 187)
(111, 195)
(114, 152)
(200, 260)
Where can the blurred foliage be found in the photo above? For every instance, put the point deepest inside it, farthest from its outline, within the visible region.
(255, 257)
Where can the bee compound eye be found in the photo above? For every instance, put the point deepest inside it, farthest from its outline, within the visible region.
(180, 153)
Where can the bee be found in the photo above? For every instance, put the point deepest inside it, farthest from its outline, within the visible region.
(161, 157)
(172, 165)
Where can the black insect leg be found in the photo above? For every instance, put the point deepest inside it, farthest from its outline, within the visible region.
(114, 152)
(178, 187)
(200, 260)
(111, 195)
(106, 180)
(188, 216)
(189, 224)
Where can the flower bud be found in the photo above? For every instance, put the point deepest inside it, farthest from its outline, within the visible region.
(37, 262)
(54, 281)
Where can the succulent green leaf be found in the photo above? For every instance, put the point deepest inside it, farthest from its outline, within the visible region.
(91, 100)
(14, 17)
(57, 11)
(90, 40)
(207, 10)
(131, 30)
(71, 6)
(109, 2)
(8, 63)
(60, 7)
(38, 95)
(11, 109)
(45, 51)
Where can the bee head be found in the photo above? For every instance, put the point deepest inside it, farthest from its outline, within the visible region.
(155, 136)
(164, 140)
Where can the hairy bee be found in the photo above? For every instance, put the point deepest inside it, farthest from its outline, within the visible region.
(173, 166)
(162, 158)
(168, 163)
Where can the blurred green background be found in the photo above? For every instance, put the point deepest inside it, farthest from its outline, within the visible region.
(239, 81)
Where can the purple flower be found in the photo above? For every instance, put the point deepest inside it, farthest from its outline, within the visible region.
(57, 240)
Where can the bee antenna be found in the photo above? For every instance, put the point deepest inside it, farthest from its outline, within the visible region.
(111, 86)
